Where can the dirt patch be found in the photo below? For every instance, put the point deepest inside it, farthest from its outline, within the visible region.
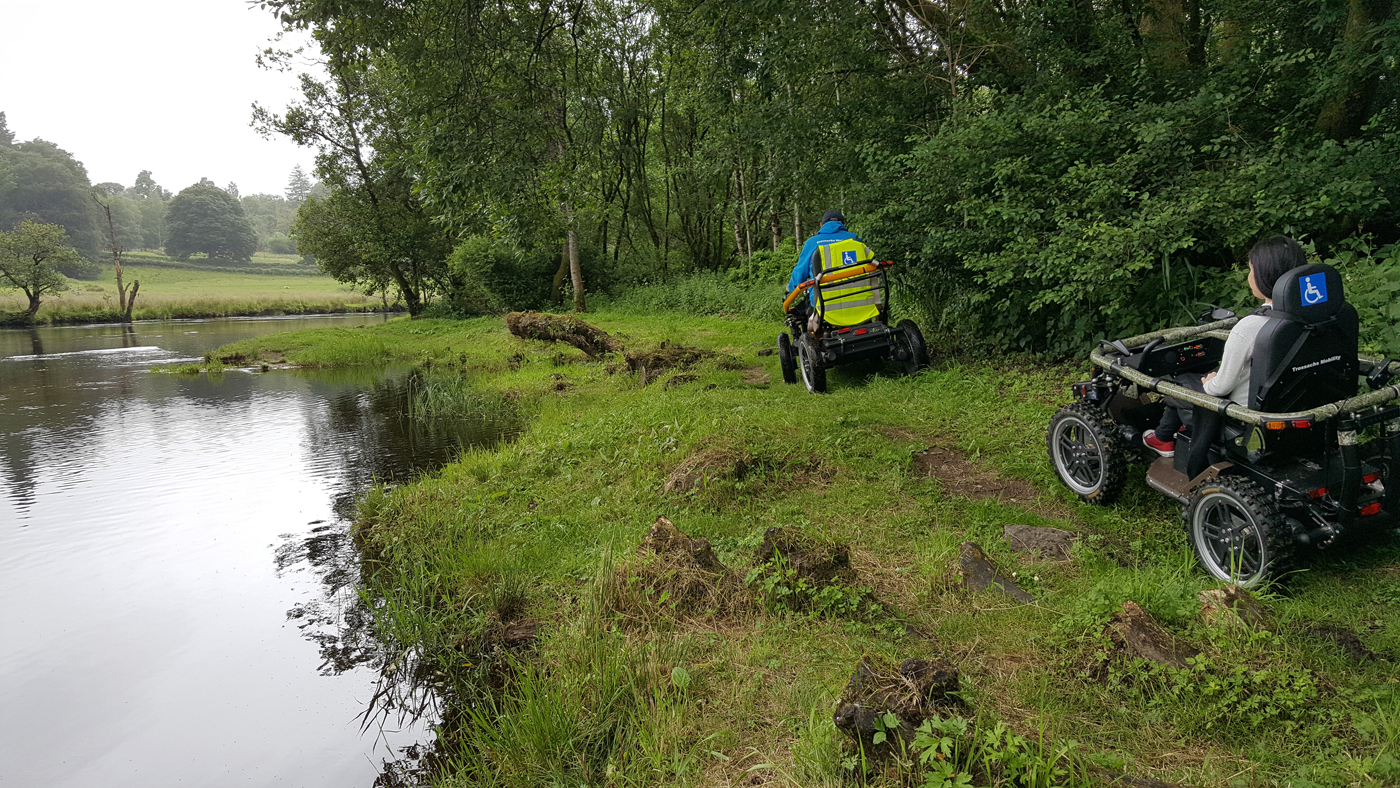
(674, 577)
(676, 381)
(1050, 544)
(592, 341)
(756, 376)
(1346, 640)
(966, 479)
(706, 466)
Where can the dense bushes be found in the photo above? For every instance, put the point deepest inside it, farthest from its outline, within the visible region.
(1061, 221)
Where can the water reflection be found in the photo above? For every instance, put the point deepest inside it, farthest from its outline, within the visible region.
(364, 435)
(139, 511)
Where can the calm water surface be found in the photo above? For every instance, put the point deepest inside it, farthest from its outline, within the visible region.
(178, 589)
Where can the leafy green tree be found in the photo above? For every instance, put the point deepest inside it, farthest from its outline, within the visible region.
(378, 243)
(372, 228)
(146, 187)
(207, 219)
(45, 183)
(153, 229)
(29, 259)
(7, 137)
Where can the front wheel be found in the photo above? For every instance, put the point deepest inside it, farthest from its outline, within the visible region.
(785, 359)
(1237, 531)
(914, 343)
(1087, 454)
(813, 372)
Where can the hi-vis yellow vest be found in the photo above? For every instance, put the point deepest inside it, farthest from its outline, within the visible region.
(852, 301)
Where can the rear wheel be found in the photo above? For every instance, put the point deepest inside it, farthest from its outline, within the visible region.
(813, 372)
(1237, 531)
(1087, 454)
(914, 343)
(785, 359)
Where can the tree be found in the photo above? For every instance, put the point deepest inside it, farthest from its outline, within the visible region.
(28, 258)
(45, 183)
(127, 303)
(206, 219)
(298, 185)
(232, 189)
(147, 188)
(372, 228)
(7, 137)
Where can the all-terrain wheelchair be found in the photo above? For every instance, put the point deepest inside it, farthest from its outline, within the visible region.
(846, 319)
(1306, 460)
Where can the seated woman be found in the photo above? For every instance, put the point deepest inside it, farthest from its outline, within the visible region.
(1270, 259)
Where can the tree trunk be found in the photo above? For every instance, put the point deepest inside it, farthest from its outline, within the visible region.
(131, 300)
(1347, 110)
(574, 270)
(796, 221)
(1164, 34)
(773, 224)
(33, 304)
(744, 201)
(556, 291)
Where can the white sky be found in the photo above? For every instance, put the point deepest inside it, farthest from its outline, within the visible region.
(159, 85)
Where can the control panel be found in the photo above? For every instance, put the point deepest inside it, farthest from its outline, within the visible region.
(1199, 355)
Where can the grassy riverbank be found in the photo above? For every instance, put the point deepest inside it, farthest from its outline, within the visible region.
(168, 293)
(635, 679)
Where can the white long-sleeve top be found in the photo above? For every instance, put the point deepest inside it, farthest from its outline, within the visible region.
(1231, 381)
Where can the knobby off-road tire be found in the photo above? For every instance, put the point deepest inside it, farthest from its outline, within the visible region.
(813, 371)
(1237, 531)
(1087, 453)
(914, 343)
(786, 360)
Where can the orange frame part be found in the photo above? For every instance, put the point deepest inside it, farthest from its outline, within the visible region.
(831, 277)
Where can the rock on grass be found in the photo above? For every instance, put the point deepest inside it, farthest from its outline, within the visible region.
(980, 574)
(1136, 634)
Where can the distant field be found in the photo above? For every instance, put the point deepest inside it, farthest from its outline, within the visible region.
(185, 292)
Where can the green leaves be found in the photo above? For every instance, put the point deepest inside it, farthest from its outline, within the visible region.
(209, 220)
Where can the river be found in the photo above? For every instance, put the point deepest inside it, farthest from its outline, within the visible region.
(179, 591)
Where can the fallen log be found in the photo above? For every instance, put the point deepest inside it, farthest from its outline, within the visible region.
(562, 328)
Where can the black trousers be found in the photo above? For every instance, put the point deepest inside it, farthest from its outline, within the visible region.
(1178, 412)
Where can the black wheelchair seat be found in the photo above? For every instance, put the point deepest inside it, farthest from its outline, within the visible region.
(1306, 354)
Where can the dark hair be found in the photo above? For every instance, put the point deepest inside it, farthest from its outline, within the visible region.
(833, 215)
(1273, 257)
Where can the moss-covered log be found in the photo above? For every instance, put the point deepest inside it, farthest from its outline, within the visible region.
(562, 328)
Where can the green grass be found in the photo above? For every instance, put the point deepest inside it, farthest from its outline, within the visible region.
(168, 293)
(556, 513)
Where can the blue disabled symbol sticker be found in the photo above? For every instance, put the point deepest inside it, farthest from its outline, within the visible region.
(849, 258)
(1314, 289)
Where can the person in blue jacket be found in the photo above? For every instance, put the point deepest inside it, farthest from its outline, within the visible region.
(833, 229)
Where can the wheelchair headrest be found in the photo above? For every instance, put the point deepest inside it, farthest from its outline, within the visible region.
(1309, 294)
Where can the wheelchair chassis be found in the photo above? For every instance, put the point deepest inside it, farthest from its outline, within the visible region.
(1254, 485)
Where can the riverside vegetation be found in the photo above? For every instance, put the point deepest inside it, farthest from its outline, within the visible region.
(513, 583)
(171, 290)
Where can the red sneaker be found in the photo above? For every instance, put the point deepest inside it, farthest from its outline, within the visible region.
(1163, 448)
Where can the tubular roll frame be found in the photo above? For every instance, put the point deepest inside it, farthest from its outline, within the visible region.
(1225, 407)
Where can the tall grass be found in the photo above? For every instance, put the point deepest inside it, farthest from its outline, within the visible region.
(703, 293)
(437, 394)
